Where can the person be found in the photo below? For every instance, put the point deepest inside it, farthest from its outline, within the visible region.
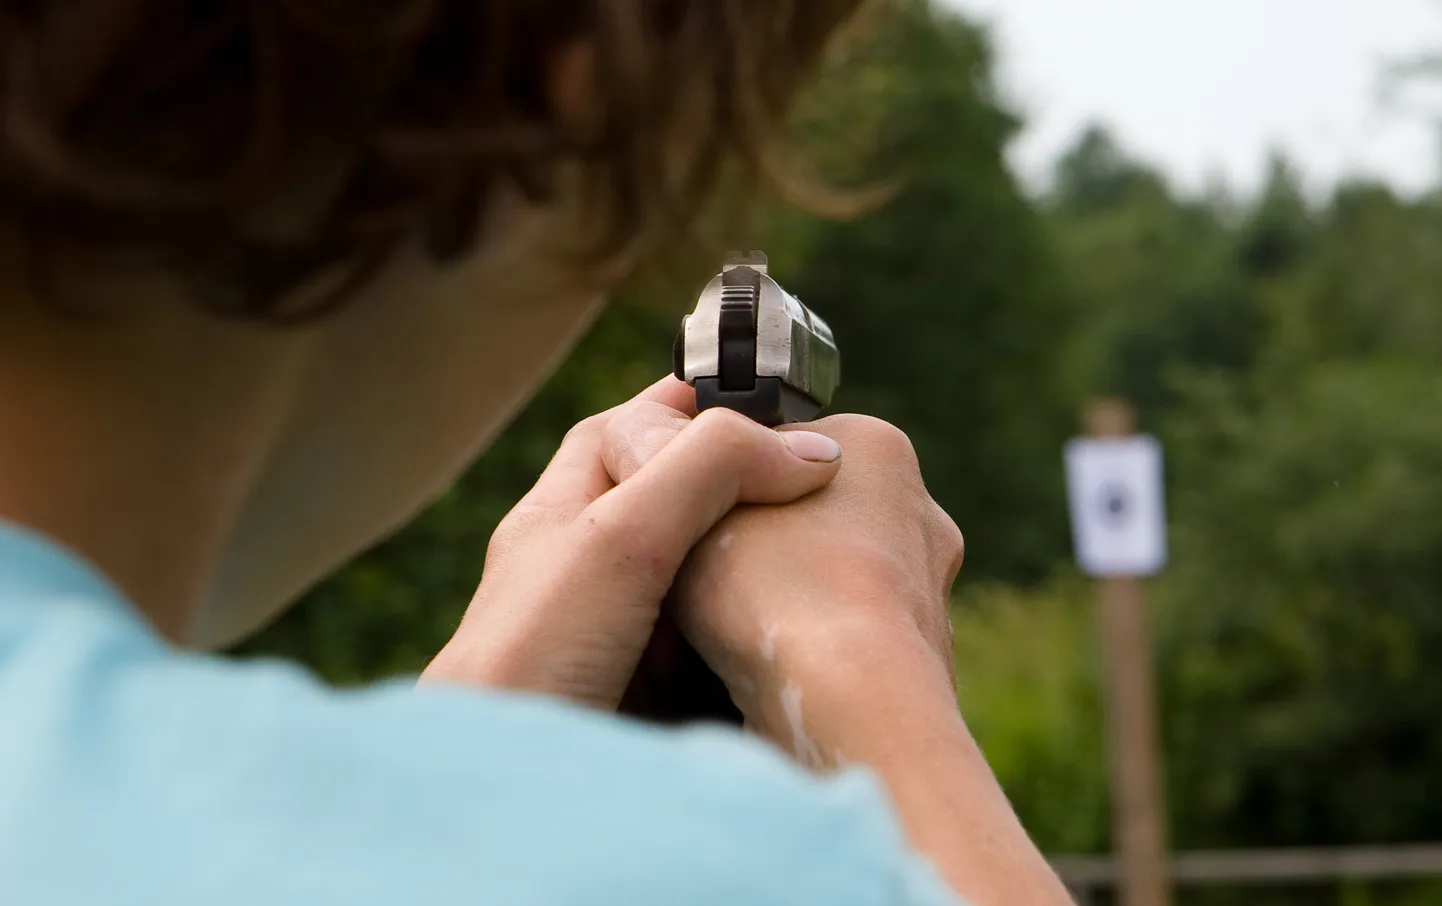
(271, 274)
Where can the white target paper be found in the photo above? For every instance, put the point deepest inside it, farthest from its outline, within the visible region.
(1118, 515)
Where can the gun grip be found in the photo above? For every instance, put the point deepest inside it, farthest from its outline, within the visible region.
(673, 686)
(770, 401)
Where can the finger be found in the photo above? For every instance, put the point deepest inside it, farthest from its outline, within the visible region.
(718, 460)
(576, 475)
(670, 392)
(635, 434)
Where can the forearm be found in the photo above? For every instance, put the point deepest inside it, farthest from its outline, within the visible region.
(877, 703)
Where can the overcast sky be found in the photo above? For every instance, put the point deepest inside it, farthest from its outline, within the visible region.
(1209, 86)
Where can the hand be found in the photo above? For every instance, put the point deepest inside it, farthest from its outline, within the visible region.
(827, 620)
(575, 574)
(780, 599)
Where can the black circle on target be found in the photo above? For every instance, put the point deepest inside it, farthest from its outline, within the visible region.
(1115, 505)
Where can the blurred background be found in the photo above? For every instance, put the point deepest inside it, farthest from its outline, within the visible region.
(1225, 212)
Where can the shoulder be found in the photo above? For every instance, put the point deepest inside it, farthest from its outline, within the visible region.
(201, 780)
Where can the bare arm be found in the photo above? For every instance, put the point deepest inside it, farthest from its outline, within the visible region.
(887, 704)
(828, 621)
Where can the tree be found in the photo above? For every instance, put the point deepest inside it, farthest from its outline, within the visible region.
(1097, 176)
(1154, 277)
(1280, 229)
(1302, 611)
(1289, 356)
(945, 300)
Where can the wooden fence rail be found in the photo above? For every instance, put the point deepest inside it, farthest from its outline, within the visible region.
(1085, 875)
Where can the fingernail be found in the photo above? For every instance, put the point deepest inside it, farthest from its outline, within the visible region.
(811, 447)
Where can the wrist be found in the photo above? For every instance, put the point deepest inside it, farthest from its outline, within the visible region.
(461, 663)
(882, 699)
(496, 661)
(851, 691)
(851, 649)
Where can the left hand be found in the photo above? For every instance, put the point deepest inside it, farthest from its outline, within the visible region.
(576, 573)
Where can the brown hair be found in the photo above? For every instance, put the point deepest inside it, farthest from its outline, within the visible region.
(251, 143)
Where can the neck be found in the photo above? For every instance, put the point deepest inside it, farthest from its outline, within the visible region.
(134, 437)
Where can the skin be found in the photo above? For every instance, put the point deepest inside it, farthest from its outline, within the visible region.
(214, 471)
(162, 446)
(827, 618)
(623, 543)
(858, 660)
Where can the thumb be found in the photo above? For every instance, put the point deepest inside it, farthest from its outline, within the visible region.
(720, 457)
(714, 462)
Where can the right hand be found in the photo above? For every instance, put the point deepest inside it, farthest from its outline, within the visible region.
(827, 619)
(778, 598)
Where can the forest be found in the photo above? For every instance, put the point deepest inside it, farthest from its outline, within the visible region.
(1286, 349)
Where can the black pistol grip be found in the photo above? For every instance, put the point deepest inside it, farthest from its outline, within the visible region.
(769, 401)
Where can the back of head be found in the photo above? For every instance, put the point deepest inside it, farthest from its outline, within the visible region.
(248, 144)
(466, 177)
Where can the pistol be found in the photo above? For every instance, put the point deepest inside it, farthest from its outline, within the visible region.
(753, 347)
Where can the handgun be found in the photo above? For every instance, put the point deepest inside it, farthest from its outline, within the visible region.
(753, 347)
(749, 346)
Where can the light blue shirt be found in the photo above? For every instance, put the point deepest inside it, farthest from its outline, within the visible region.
(132, 773)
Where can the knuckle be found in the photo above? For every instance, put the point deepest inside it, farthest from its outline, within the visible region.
(637, 432)
(953, 540)
(618, 447)
(877, 436)
(949, 541)
(526, 520)
(637, 418)
(841, 425)
(640, 410)
(588, 430)
(519, 527)
(722, 419)
(726, 431)
(890, 440)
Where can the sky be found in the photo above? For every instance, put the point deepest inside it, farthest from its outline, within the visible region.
(1207, 88)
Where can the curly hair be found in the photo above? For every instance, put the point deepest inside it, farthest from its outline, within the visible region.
(250, 144)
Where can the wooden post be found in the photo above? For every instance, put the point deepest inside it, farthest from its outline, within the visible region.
(1138, 804)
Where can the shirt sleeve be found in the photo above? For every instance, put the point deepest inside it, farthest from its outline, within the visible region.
(131, 773)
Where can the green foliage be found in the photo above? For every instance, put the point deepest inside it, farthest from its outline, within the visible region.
(1027, 680)
(1298, 644)
(946, 300)
(1288, 356)
(1155, 278)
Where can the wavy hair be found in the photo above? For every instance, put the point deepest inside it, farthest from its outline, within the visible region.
(253, 143)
